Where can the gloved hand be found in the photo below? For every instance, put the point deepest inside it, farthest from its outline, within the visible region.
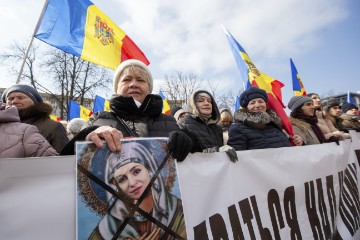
(230, 151)
(180, 144)
(334, 139)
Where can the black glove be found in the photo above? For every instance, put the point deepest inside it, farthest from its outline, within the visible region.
(230, 151)
(334, 139)
(180, 144)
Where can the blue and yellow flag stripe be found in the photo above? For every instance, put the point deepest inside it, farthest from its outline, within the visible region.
(166, 106)
(101, 104)
(78, 111)
(298, 86)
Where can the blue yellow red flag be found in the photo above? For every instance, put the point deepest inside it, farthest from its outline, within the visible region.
(101, 104)
(78, 111)
(80, 28)
(298, 86)
(55, 118)
(166, 107)
(256, 78)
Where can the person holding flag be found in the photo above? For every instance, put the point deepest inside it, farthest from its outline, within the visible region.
(257, 126)
(134, 112)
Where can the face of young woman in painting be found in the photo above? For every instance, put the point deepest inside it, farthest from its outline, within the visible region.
(132, 179)
(308, 108)
(133, 83)
(257, 105)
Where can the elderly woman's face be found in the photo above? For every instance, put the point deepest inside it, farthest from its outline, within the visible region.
(308, 108)
(133, 83)
(257, 105)
(132, 179)
(19, 100)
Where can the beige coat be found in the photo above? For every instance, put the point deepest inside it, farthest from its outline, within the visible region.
(328, 129)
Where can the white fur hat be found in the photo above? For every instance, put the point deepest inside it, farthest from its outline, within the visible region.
(128, 63)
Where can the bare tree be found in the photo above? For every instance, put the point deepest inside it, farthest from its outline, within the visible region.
(180, 86)
(13, 57)
(74, 78)
(64, 76)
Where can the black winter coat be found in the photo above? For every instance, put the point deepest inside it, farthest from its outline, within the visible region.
(145, 121)
(257, 131)
(206, 135)
(38, 115)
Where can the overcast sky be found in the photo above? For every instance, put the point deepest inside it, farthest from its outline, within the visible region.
(321, 36)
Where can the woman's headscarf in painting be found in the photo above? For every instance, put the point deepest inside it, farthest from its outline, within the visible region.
(164, 202)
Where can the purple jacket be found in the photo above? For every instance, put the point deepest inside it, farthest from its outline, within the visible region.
(19, 139)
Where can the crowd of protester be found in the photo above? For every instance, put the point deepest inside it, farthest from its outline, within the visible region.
(200, 127)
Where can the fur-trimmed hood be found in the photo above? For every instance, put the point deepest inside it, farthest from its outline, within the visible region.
(36, 111)
(215, 114)
(300, 124)
(258, 120)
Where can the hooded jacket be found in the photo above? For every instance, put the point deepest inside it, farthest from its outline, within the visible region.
(207, 136)
(39, 116)
(19, 139)
(257, 130)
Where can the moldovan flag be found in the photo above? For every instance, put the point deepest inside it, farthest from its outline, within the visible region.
(237, 103)
(261, 80)
(78, 111)
(55, 118)
(350, 99)
(166, 107)
(298, 86)
(80, 28)
(101, 104)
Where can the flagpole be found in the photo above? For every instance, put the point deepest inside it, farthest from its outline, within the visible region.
(31, 40)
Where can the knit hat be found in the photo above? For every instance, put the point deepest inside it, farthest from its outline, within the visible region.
(26, 89)
(298, 101)
(75, 125)
(250, 94)
(329, 103)
(174, 109)
(128, 63)
(348, 106)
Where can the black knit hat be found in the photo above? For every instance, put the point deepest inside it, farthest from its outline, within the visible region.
(174, 109)
(348, 106)
(250, 94)
(329, 103)
(26, 89)
(298, 101)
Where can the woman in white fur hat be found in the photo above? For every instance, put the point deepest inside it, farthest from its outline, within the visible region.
(135, 112)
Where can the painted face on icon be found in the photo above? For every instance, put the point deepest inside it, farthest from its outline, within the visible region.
(132, 179)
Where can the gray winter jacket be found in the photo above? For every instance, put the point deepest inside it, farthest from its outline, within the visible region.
(19, 139)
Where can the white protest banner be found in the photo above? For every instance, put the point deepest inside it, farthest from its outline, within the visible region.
(284, 193)
(308, 192)
(37, 198)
